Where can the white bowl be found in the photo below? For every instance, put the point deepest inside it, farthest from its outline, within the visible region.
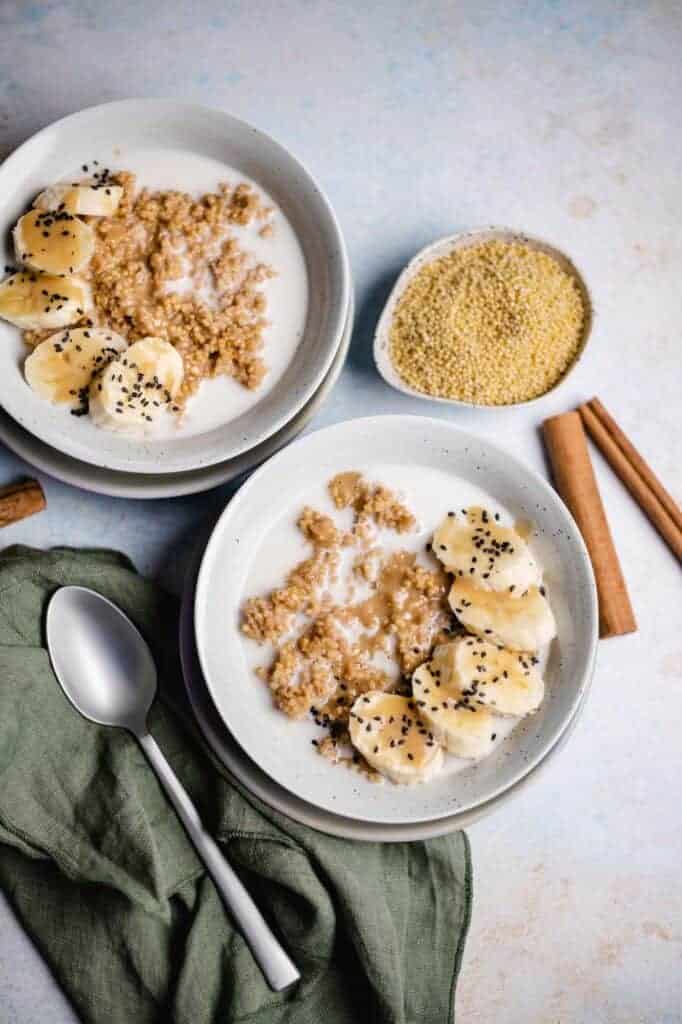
(443, 247)
(241, 767)
(184, 144)
(171, 485)
(408, 448)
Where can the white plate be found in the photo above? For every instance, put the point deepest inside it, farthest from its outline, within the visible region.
(174, 485)
(404, 450)
(204, 146)
(270, 792)
(444, 247)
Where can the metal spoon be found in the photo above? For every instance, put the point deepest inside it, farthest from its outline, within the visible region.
(106, 670)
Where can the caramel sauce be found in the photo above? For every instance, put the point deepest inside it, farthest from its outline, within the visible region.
(403, 730)
(524, 528)
(463, 590)
(485, 599)
(53, 244)
(346, 488)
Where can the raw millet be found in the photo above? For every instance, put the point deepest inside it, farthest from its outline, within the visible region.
(492, 324)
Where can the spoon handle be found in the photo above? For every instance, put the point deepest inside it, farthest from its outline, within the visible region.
(267, 951)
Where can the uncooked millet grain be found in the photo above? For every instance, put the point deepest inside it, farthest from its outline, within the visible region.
(492, 324)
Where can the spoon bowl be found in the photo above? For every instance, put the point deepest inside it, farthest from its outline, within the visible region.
(101, 660)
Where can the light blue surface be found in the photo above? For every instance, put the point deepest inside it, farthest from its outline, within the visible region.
(420, 119)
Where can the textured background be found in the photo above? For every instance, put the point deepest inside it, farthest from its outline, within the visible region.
(420, 119)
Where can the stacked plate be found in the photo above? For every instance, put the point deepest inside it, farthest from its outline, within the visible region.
(189, 148)
(272, 756)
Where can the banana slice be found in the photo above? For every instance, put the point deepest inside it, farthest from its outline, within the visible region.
(135, 390)
(388, 733)
(39, 301)
(494, 557)
(57, 243)
(485, 674)
(85, 199)
(464, 728)
(61, 367)
(524, 623)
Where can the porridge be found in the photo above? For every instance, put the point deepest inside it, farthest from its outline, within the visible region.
(192, 275)
(400, 655)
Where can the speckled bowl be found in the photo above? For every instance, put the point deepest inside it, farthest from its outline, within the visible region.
(175, 134)
(443, 247)
(380, 446)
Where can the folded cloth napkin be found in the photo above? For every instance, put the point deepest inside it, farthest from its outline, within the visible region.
(103, 877)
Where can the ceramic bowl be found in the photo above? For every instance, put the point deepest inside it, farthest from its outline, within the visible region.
(172, 485)
(443, 247)
(179, 145)
(435, 466)
(225, 748)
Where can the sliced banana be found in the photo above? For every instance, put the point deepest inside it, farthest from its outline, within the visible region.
(474, 545)
(40, 301)
(57, 243)
(61, 367)
(464, 728)
(524, 623)
(485, 674)
(388, 733)
(135, 390)
(84, 199)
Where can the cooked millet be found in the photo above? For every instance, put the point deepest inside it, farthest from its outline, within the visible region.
(316, 666)
(153, 241)
(493, 324)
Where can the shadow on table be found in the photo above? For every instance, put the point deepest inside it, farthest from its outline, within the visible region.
(182, 550)
(369, 310)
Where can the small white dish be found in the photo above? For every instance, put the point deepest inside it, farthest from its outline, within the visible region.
(260, 785)
(173, 485)
(384, 446)
(444, 247)
(189, 147)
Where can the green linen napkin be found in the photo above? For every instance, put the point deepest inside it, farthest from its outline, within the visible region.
(103, 877)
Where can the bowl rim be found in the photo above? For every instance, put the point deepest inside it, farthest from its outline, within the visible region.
(155, 461)
(444, 246)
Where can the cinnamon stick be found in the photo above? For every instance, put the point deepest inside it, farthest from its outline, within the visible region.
(17, 501)
(576, 483)
(628, 464)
